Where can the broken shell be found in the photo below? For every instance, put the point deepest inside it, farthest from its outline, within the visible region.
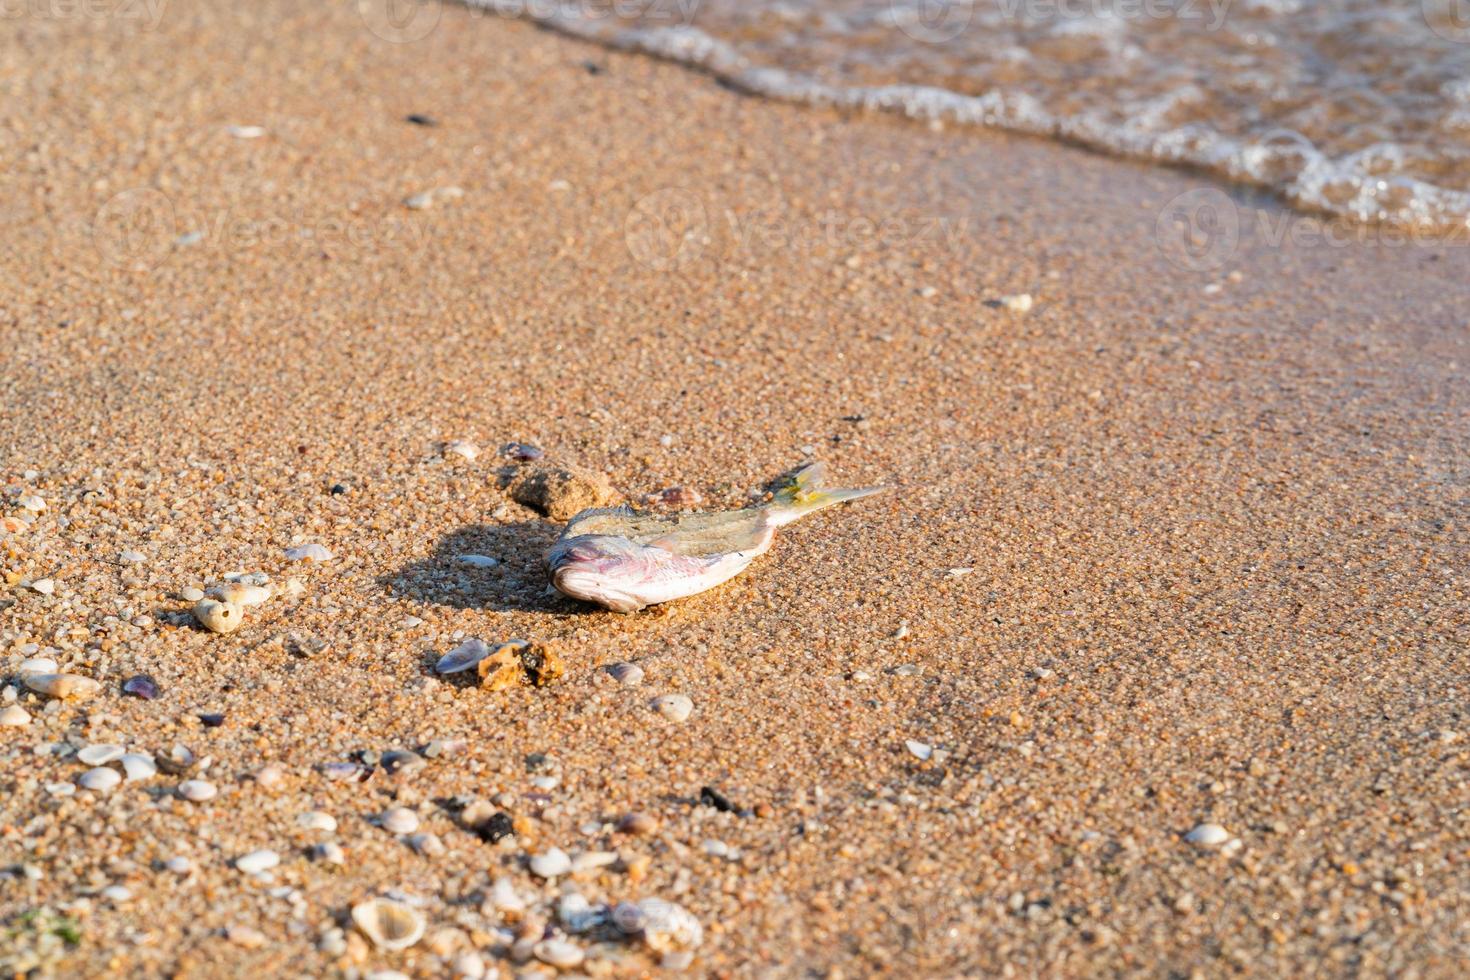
(100, 780)
(139, 766)
(558, 953)
(388, 924)
(468, 654)
(31, 502)
(309, 552)
(240, 593)
(629, 675)
(674, 707)
(36, 665)
(919, 750)
(477, 561)
(316, 820)
(217, 616)
(399, 820)
(71, 687)
(15, 717)
(551, 864)
(100, 755)
(45, 586)
(462, 448)
(197, 790)
(257, 861)
(667, 926)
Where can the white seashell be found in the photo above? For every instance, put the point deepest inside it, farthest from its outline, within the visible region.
(1207, 835)
(667, 926)
(61, 789)
(197, 790)
(14, 717)
(399, 820)
(329, 853)
(628, 917)
(591, 860)
(461, 447)
(1019, 303)
(36, 665)
(470, 966)
(191, 594)
(316, 820)
(100, 780)
(247, 578)
(419, 202)
(428, 845)
(918, 750)
(31, 502)
(131, 557)
(309, 552)
(45, 586)
(554, 862)
(138, 766)
(388, 924)
(629, 675)
(100, 755)
(246, 132)
(257, 861)
(71, 687)
(674, 707)
(117, 893)
(505, 898)
(558, 953)
(179, 865)
(241, 594)
(463, 657)
(577, 915)
(217, 616)
(477, 561)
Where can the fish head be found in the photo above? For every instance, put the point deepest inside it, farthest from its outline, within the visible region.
(602, 568)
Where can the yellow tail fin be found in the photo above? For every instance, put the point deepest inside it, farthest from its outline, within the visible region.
(803, 493)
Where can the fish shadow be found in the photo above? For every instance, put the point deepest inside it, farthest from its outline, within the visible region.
(517, 583)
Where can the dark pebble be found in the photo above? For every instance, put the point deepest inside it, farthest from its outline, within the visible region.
(338, 489)
(496, 828)
(141, 686)
(521, 451)
(402, 761)
(212, 720)
(709, 796)
(419, 119)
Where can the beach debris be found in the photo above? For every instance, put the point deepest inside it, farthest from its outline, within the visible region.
(14, 716)
(316, 820)
(1207, 835)
(919, 750)
(399, 820)
(179, 865)
(623, 560)
(141, 686)
(138, 766)
(463, 657)
(711, 797)
(477, 561)
(240, 593)
(100, 755)
(419, 119)
(388, 925)
(100, 780)
(257, 861)
(520, 662)
(522, 452)
(308, 552)
(628, 675)
(66, 687)
(246, 132)
(218, 616)
(550, 864)
(197, 790)
(674, 707)
(560, 491)
(1018, 303)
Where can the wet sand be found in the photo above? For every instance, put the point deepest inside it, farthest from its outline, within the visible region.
(1211, 504)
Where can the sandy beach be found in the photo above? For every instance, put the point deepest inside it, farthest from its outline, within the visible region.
(1181, 542)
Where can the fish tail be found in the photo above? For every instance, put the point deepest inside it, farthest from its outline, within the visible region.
(803, 493)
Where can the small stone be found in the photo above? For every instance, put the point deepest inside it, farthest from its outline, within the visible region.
(179, 865)
(918, 750)
(36, 665)
(240, 593)
(100, 755)
(31, 502)
(520, 662)
(674, 707)
(711, 797)
(551, 864)
(1018, 303)
(560, 492)
(308, 552)
(246, 132)
(558, 953)
(257, 861)
(667, 926)
(270, 775)
(316, 820)
(477, 561)
(61, 789)
(67, 687)
(399, 820)
(470, 966)
(245, 937)
(676, 960)
(462, 448)
(401, 762)
(1207, 835)
(212, 720)
(217, 616)
(521, 452)
(15, 717)
(45, 586)
(592, 860)
(463, 657)
(329, 852)
(100, 780)
(191, 594)
(197, 790)
(117, 893)
(428, 845)
(138, 766)
(419, 202)
(628, 675)
(638, 824)
(505, 898)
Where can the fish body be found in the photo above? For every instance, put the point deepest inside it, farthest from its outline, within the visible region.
(624, 560)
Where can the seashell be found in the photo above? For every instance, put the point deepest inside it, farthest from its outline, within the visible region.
(628, 917)
(577, 915)
(316, 820)
(551, 864)
(246, 132)
(131, 557)
(638, 824)
(470, 966)
(36, 665)
(45, 586)
(462, 448)
(247, 578)
(388, 924)
(257, 861)
(309, 552)
(667, 926)
(179, 865)
(217, 616)
(399, 820)
(428, 845)
(521, 452)
(69, 687)
(191, 594)
(401, 761)
(558, 953)
(138, 766)
(592, 860)
(918, 750)
(505, 898)
(197, 790)
(141, 686)
(100, 780)
(674, 707)
(468, 654)
(477, 561)
(629, 675)
(14, 716)
(270, 775)
(329, 852)
(31, 502)
(100, 755)
(1019, 303)
(240, 593)
(342, 770)
(1207, 835)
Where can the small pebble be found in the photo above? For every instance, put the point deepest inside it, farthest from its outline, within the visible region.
(191, 594)
(218, 616)
(308, 552)
(246, 132)
(629, 675)
(179, 865)
(559, 953)
(212, 720)
(1207, 835)
(551, 864)
(138, 766)
(100, 755)
(36, 665)
(197, 790)
(428, 845)
(117, 893)
(31, 502)
(329, 852)
(100, 780)
(1019, 303)
(592, 860)
(399, 820)
(470, 966)
(316, 820)
(918, 750)
(245, 937)
(257, 861)
(462, 449)
(477, 561)
(270, 775)
(638, 824)
(15, 717)
(674, 707)
(68, 687)
(45, 586)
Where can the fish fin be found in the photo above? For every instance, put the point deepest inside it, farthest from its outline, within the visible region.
(803, 493)
(591, 514)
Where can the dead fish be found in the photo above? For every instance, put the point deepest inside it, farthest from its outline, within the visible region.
(624, 560)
